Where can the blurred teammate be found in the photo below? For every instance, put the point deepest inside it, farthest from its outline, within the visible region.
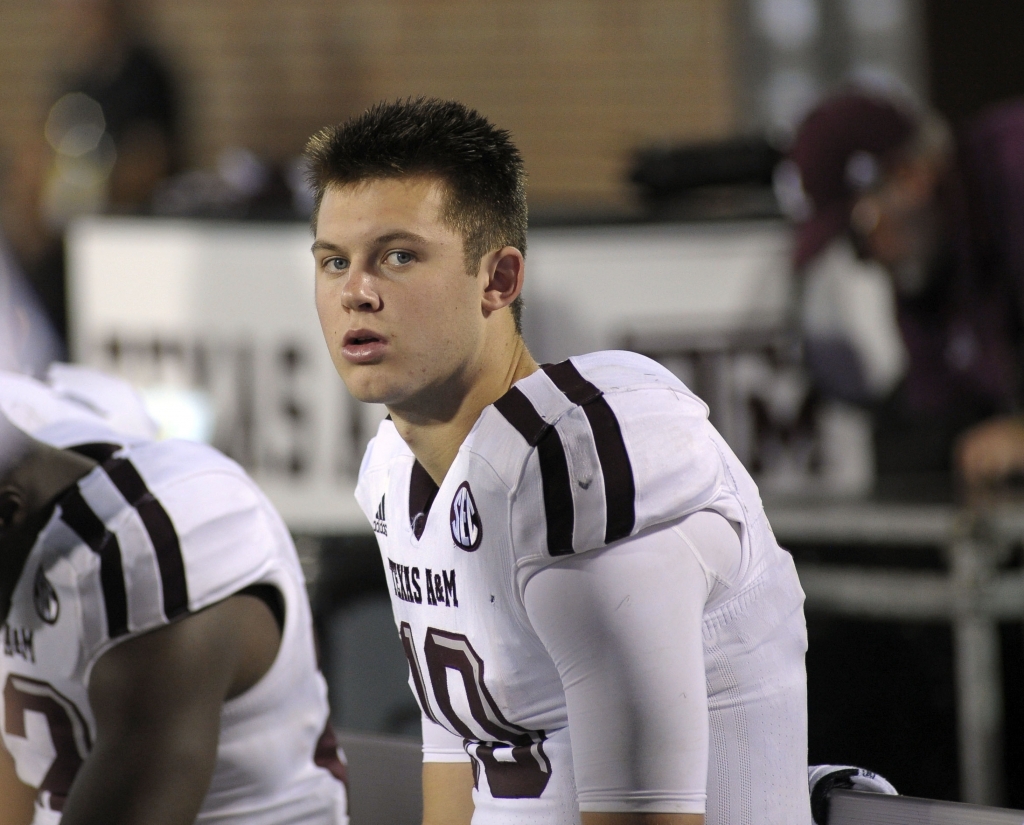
(945, 221)
(158, 663)
(598, 621)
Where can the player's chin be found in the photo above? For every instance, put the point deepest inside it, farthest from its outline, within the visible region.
(370, 383)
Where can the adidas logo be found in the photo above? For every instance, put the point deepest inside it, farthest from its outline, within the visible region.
(380, 524)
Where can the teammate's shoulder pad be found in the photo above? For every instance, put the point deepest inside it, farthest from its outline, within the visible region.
(227, 532)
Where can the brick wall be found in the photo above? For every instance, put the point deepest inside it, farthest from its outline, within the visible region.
(579, 82)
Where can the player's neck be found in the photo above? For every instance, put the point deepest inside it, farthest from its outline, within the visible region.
(435, 439)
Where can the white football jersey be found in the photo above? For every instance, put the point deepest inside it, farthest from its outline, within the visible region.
(575, 457)
(157, 531)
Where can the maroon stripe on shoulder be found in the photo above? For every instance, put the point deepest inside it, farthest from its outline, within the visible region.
(559, 509)
(619, 486)
(616, 468)
(519, 412)
(161, 533)
(574, 386)
(77, 515)
(154, 518)
(422, 492)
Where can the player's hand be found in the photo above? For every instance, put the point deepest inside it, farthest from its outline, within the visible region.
(17, 800)
(991, 451)
(823, 779)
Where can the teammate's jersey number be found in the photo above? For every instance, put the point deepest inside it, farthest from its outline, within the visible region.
(68, 730)
(512, 756)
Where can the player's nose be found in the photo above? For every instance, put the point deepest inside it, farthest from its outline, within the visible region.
(360, 292)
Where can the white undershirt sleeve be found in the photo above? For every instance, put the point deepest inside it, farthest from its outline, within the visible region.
(624, 628)
(440, 745)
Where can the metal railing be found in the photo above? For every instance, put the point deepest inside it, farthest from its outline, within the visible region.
(858, 808)
(974, 596)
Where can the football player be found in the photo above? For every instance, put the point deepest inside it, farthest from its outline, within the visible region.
(158, 663)
(599, 624)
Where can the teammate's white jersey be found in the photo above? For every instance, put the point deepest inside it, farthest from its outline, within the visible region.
(579, 456)
(157, 531)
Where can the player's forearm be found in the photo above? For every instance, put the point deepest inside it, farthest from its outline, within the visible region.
(632, 670)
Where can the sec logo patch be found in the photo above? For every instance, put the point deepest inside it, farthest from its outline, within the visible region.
(467, 530)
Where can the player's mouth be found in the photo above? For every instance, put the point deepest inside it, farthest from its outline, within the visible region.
(363, 346)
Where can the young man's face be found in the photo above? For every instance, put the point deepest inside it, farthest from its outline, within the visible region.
(401, 317)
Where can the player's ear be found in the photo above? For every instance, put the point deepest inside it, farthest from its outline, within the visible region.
(12, 508)
(506, 269)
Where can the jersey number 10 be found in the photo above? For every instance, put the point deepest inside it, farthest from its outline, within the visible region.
(513, 757)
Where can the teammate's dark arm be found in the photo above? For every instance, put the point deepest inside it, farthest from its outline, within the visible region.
(157, 702)
(32, 477)
(16, 798)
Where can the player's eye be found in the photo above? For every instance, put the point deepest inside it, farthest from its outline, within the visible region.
(399, 257)
(335, 264)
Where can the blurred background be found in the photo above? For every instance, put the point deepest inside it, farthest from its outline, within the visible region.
(807, 209)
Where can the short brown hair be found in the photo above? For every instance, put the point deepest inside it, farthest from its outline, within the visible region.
(479, 165)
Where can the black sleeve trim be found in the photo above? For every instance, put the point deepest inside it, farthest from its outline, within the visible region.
(271, 597)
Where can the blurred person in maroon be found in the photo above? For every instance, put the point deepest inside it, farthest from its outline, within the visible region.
(945, 219)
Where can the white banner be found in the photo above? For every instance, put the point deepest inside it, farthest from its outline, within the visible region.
(216, 323)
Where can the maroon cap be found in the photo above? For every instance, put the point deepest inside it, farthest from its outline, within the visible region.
(840, 144)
